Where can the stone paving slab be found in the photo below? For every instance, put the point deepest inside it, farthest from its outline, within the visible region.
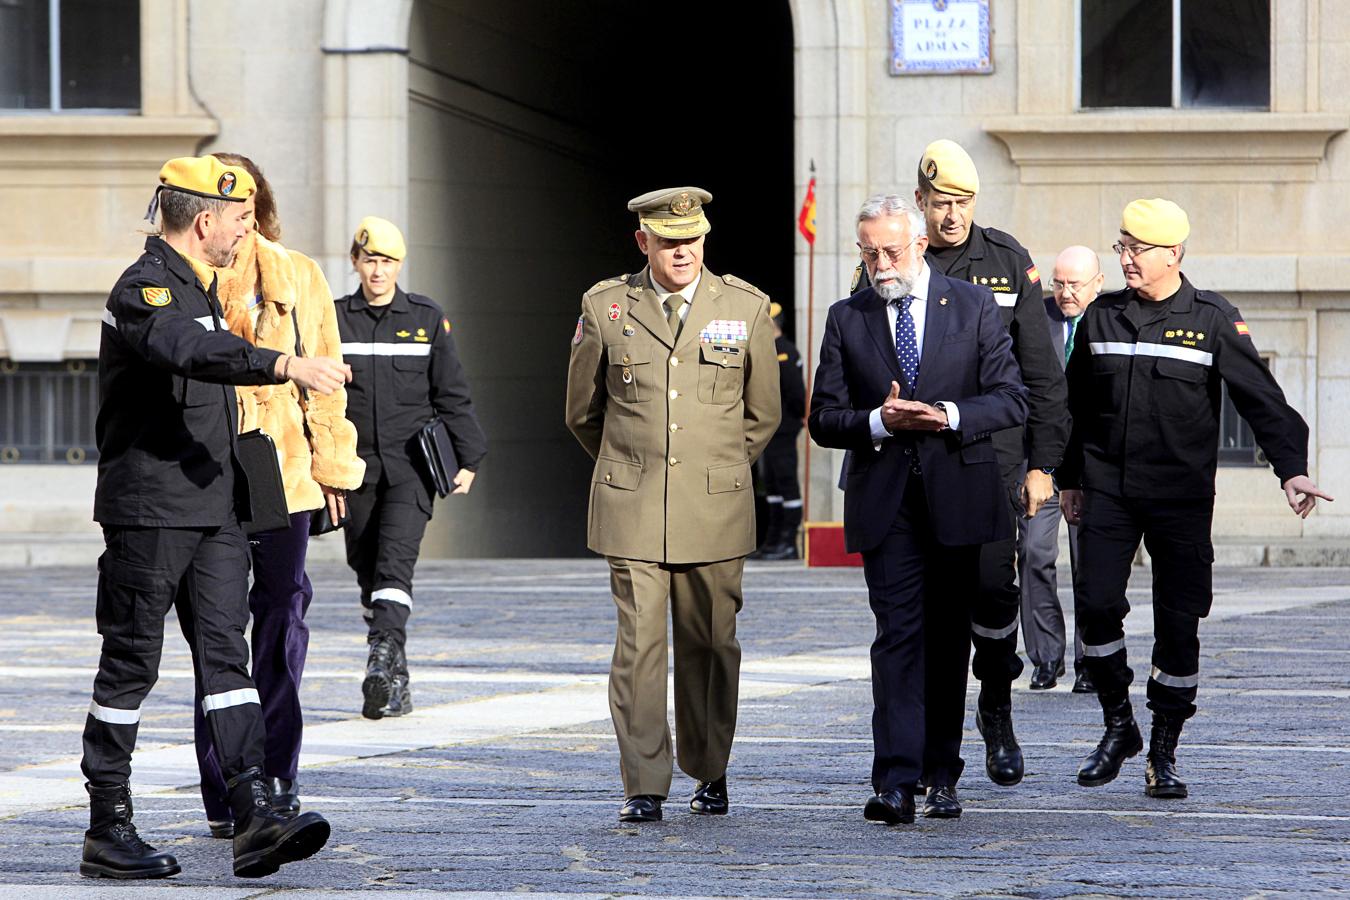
(505, 780)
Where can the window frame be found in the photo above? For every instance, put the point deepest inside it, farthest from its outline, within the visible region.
(1176, 104)
(54, 106)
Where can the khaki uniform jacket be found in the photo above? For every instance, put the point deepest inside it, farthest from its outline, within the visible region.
(673, 426)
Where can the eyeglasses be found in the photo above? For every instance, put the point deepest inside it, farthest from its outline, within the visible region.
(895, 254)
(1133, 250)
(1068, 287)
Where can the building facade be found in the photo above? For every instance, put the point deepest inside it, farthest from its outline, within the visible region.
(506, 137)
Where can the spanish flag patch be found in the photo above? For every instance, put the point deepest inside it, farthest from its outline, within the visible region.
(445, 323)
(156, 296)
(1033, 274)
(1241, 327)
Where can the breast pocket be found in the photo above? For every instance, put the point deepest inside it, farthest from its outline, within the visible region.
(1110, 373)
(1180, 389)
(629, 373)
(411, 384)
(721, 373)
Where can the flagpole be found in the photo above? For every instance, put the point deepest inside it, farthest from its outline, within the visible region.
(810, 354)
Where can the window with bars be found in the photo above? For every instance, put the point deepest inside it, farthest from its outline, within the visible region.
(1177, 54)
(1237, 443)
(47, 412)
(63, 55)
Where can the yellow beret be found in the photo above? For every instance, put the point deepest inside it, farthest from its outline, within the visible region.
(380, 237)
(1156, 221)
(775, 309)
(947, 168)
(208, 177)
(673, 212)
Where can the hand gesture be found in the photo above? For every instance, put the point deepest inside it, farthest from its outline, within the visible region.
(1302, 495)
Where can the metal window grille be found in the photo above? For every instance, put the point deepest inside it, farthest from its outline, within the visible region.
(1237, 443)
(47, 412)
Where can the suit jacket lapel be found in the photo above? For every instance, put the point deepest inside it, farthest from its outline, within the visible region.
(703, 309)
(935, 320)
(879, 326)
(646, 309)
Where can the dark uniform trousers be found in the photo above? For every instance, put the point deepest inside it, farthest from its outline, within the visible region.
(704, 601)
(918, 586)
(279, 600)
(384, 539)
(778, 466)
(142, 571)
(1176, 533)
(993, 628)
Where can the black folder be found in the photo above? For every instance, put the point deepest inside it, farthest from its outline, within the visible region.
(257, 456)
(439, 453)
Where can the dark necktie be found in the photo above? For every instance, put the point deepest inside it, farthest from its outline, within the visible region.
(906, 344)
(1068, 341)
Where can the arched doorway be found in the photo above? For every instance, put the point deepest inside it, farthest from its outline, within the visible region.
(530, 125)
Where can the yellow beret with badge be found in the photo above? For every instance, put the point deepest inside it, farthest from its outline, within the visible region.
(675, 213)
(207, 177)
(380, 237)
(948, 169)
(1159, 222)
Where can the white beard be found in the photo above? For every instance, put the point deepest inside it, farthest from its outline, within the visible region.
(894, 286)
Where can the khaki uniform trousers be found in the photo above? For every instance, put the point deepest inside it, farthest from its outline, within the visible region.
(704, 599)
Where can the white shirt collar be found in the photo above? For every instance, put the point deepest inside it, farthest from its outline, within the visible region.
(687, 292)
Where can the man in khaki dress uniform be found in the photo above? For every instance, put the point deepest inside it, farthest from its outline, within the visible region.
(673, 389)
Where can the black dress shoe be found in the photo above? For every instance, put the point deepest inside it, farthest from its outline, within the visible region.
(1045, 676)
(891, 807)
(942, 803)
(642, 808)
(710, 798)
(285, 796)
(1083, 683)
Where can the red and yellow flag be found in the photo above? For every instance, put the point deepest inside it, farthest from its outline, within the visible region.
(806, 219)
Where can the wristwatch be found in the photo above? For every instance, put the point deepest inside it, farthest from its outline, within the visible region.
(1048, 470)
(942, 406)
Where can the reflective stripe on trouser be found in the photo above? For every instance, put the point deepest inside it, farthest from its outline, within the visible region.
(994, 614)
(1176, 533)
(384, 538)
(704, 600)
(279, 599)
(142, 572)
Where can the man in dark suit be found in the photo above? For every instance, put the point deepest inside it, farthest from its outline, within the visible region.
(1076, 282)
(915, 373)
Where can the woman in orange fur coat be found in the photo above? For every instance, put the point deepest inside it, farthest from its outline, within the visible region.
(266, 293)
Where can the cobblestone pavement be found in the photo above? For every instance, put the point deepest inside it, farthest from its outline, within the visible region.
(505, 779)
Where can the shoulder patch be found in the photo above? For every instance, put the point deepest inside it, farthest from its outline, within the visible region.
(1241, 328)
(744, 285)
(156, 296)
(445, 325)
(1033, 274)
(581, 327)
(608, 283)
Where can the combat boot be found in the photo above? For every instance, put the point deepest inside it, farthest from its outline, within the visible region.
(380, 669)
(265, 839)
(771, 532)
(1002, 754)
(400, 694)
(1120, 742)
(112, 848)
(1160, 774)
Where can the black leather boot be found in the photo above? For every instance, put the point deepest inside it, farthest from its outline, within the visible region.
(400, 694)
(1002, 754)
(264, 839)
(1160, 774)
(771, 532)
(112, 848)
(1120, 742)
(380, 669)
(285, 795)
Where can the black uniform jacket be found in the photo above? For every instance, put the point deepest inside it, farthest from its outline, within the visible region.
(404, 370)
(967, 360)
(166, 421)
(1144, 388)
(994, 259)
(791, 387)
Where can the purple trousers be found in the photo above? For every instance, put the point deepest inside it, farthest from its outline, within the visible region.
(279, 600)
